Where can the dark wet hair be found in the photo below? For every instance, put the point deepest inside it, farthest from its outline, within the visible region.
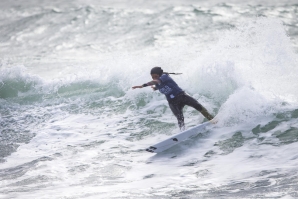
(156, 70)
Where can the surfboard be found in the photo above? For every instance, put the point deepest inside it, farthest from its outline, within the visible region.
(168, 143)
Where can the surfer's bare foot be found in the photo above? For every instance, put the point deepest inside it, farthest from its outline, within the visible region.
(214, 121)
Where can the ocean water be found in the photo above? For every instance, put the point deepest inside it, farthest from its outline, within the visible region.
(72, 127)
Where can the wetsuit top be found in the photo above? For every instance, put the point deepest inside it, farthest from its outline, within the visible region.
(167, 86)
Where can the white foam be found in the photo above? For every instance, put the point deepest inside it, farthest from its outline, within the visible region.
(245, 74)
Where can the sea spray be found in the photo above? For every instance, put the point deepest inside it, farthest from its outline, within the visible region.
(71, 126)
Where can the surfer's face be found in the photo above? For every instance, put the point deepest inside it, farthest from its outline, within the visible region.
(154, 76)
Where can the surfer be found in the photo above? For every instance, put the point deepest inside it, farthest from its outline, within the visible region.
(176, 97)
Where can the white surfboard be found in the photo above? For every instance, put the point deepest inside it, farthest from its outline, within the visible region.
(168, 143)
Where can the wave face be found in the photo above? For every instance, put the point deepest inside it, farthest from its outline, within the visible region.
(72, 127)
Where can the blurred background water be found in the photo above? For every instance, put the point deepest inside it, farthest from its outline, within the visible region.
(72, 127)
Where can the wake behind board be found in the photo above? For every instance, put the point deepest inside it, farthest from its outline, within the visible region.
(168, 143)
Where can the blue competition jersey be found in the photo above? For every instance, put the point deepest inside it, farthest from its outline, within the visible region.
(168, 87)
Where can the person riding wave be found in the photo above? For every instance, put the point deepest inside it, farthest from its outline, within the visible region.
(176, 97)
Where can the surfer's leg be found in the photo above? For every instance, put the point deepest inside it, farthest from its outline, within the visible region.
(177, 111)
(190, 101)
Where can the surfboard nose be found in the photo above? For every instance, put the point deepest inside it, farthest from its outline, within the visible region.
(149, 150)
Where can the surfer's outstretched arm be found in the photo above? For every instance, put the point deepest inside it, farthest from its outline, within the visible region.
(151, 83)
(134, 87)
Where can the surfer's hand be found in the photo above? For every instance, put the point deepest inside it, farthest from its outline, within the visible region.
(134, 87)
(153, 87)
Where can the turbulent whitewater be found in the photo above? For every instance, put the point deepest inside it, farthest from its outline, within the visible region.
(72, 127)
